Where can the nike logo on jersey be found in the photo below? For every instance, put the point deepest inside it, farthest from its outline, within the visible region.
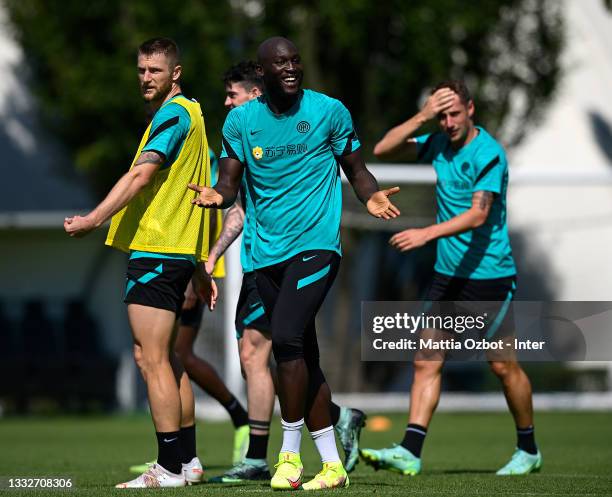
(254, 131)
(308, 258)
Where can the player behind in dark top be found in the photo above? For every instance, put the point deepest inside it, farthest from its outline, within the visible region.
(290, 144)
(474, 263)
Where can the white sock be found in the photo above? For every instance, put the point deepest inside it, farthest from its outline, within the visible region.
(325, 441)
(292, 435)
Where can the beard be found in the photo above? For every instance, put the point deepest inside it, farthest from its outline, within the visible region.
(158, 94)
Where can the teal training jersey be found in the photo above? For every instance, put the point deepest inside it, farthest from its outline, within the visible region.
(169, 129)
(292, 175)
(214, 167)
(246, 259)
(484, 252)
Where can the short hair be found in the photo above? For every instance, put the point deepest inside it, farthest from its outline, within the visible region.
(456, 86)
(165, 46)
(245, 73)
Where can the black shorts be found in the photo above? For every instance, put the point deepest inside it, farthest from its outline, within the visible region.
(250, 311)
(159, 283)
(493, 296)
(193, 317)
(292, 292)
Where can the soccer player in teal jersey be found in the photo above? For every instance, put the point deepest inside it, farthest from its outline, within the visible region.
(474, 262)
(291, 143)
(242, 84)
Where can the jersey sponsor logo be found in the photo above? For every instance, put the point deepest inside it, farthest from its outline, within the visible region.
(303, 127)
(286, 150)
(254, 131)
(257, 153)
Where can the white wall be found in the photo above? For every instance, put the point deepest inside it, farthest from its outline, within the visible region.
(573, 225)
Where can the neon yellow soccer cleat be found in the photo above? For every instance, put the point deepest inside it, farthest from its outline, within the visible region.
(289, 472)
(241, 444)
(332, 475)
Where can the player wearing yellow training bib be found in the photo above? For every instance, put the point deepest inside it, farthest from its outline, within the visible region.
(166, 238)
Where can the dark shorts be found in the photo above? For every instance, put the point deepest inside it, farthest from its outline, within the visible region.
(250, 311)
(493, 296)
(193, 317)
(159, 283)
(292, 292)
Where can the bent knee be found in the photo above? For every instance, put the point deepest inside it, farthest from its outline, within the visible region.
(427, 368)
(287, 347)
(152, 362)
(253, 359)
(185, 355)
(503, 368)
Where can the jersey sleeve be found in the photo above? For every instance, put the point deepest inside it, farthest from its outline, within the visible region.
(232, 137)
(169, 129)
(425, 147)
(490, 168)
(343, 138)
(214, 167)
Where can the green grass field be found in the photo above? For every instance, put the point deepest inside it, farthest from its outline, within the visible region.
(460, 457)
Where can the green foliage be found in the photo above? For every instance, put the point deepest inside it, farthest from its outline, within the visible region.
(377, 57)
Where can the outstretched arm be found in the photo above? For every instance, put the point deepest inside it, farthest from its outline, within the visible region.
(224, 193)
(366, 186)
(398, 140)
(473, 218)
(128, 186)
(232, 227)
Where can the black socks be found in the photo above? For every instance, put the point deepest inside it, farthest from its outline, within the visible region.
(526, 440)
(169, 454)
(237, 413)
(258, 443)
(187, 437)
(414, 438)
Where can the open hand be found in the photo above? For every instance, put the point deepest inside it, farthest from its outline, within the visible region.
(409, 239)
(208, 197)
(380, 206)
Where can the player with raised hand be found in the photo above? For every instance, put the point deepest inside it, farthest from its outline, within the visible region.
(474, 263)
